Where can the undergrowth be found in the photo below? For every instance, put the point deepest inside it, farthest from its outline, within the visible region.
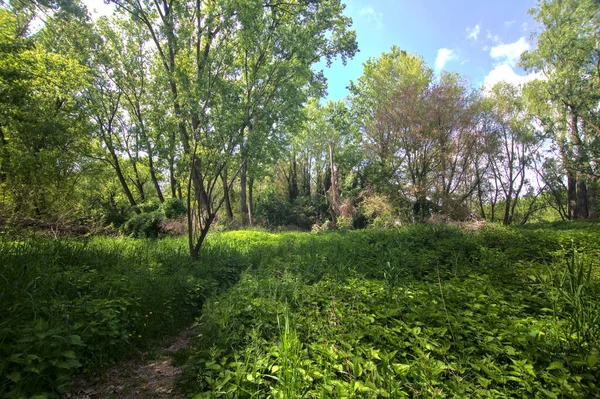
(428, 312)
(425, 311)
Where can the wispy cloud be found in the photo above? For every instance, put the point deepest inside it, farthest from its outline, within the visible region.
(372, 16)
(492, 37)
(509, 53)
(367, 11)
(473, 33)
(444, 55)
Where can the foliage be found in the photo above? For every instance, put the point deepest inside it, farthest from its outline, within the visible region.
(75, 306)
(431, 311)
(144, 225)
(173, 207)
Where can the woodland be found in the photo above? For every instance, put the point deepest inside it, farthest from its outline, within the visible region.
(177, 163)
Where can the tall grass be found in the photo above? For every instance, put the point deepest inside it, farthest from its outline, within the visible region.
(72, 306)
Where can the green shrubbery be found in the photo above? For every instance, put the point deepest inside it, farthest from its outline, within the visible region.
(427, 311)
(149, 223)
(75, 306)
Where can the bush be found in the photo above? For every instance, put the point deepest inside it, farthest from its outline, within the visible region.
(275, 211)
(144, 225)
(173, 207)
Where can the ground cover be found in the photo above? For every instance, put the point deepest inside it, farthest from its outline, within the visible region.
(423, 311)
(419, 312)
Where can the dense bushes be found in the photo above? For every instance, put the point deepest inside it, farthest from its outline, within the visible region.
(427, 311)
(499, 312)
(151, 222)
(75, 306)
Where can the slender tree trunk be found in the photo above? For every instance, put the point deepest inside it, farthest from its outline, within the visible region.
(582, 198)
(251, 200)
(572, 194)
(137, 182)
(224, 181)
(333, 189)
(592, 193)
(172, 180)
(243, 191)
(122, 180)
(293, 180)
(153, 175)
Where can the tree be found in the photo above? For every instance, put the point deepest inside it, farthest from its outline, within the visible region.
(420, 132)
(568, 55)
(41, 128)
(198, 45)
(511, 143)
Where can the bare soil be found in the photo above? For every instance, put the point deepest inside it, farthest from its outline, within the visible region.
(137, 379)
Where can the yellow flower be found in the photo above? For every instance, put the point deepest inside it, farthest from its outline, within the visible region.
(144, 324)
(139, 336)
(130, 335)
(146, 315)
(150, 312)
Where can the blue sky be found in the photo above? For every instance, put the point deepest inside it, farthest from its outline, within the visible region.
(480, 39)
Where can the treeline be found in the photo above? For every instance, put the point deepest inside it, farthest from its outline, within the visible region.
(210, 112)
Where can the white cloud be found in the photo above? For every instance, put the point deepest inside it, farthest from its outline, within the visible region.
(493, 38)
(444, 55)
(509, 23)
(509, 53)
(372, 16)
(505, 73)
(367, 11)
(473, 33)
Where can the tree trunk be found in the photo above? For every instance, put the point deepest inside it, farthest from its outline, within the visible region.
(572, 194)
(592, 193)
(172, 180)
(334, 206)
(153, 175)
(582, 199)
(251, 200)
(224, 180)
(122, 180)
(293, 180)
(243, 190)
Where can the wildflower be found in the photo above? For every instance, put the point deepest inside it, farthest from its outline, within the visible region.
(139, 336)
(130, 335)
(144, 324)
(150, 312)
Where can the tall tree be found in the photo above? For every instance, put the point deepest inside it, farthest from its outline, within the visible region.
(41, 128)
(198, 46)
(568, 55)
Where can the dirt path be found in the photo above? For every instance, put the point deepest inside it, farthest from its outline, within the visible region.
(137, 379)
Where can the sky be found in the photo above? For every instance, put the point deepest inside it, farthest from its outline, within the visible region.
(480, 39)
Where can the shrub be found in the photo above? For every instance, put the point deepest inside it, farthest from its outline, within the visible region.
(173, 207)
(144, 225)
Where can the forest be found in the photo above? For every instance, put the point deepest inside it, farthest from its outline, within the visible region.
(178, 164)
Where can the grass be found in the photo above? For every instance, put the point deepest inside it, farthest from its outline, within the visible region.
(425, 311)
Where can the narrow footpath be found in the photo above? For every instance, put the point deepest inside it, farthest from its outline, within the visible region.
(138, 379)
